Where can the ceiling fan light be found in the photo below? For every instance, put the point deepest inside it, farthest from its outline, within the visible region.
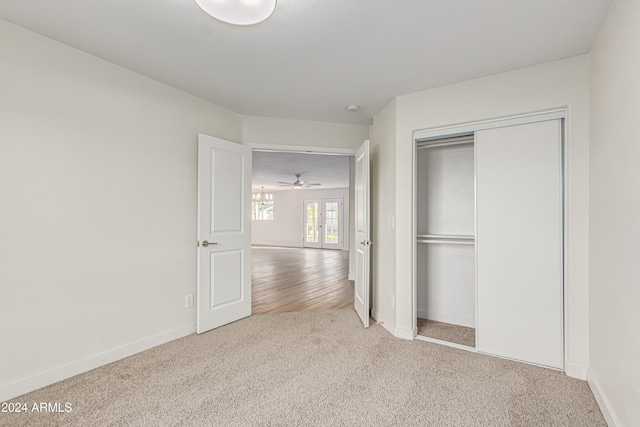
(238, 12)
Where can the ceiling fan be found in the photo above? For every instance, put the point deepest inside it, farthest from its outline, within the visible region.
(298, 183)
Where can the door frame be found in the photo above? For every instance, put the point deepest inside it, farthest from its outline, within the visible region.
(465, 128)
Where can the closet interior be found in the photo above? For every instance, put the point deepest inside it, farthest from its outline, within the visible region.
(445, 239)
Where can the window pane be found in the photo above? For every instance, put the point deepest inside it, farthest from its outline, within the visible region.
(331, 216)
(262, 206)
(312, 222)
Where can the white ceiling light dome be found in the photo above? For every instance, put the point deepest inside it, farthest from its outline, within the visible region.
(238, 12)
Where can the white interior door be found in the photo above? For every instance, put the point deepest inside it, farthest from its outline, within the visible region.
(519, 242)
(224, 232)
(363, 242)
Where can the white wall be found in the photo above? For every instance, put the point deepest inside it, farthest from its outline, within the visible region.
(539, 88)
(383, 251)
(265, 130)
(614, 373)
(445, 205)
(98, 217)
(287, 226)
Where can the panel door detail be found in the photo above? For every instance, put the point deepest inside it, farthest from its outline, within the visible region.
(224, 232)
(363, 236)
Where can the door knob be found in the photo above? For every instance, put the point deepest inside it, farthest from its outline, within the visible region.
(205, 243)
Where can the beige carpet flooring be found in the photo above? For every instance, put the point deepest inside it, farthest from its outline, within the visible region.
(317, 368)
(447, 332)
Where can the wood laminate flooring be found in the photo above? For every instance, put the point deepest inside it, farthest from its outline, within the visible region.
(295, 279)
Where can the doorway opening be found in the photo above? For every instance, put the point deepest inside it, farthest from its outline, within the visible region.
(301, 246)
(226, 204)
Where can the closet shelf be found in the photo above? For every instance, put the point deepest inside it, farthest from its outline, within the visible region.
(449, 242)
(445, 236)
(446, 239)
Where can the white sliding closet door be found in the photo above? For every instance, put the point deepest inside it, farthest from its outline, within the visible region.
(519, 242)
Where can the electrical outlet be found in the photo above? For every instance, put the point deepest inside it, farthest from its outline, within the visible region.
(188, 301)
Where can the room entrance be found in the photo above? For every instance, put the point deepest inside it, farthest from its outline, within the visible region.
(309, 199)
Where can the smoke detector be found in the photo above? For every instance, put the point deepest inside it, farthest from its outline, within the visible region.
(352, 108)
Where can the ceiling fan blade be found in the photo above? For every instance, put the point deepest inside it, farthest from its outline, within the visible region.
(316, 183)
(284, 183)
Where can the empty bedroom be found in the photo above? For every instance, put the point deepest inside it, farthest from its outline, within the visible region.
(324, 213)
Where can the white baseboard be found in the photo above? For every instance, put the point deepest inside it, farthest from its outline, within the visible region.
(42, 379)
(603, 402)
(390, 327)
(576, 371)
(407, 334)
(453, 319)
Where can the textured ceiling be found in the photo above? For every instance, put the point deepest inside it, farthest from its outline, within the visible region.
(271, 167)
(314, 57)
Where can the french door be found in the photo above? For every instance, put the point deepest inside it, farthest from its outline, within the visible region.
(323, 223)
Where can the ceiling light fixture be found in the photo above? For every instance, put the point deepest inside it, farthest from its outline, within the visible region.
(238, 12)
(262, 198)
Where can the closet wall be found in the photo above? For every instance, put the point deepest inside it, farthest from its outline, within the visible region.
(445, 224)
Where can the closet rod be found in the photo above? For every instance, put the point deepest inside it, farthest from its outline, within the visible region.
(443, 236)
(442, 144)
(448, 242)
(462, 139)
